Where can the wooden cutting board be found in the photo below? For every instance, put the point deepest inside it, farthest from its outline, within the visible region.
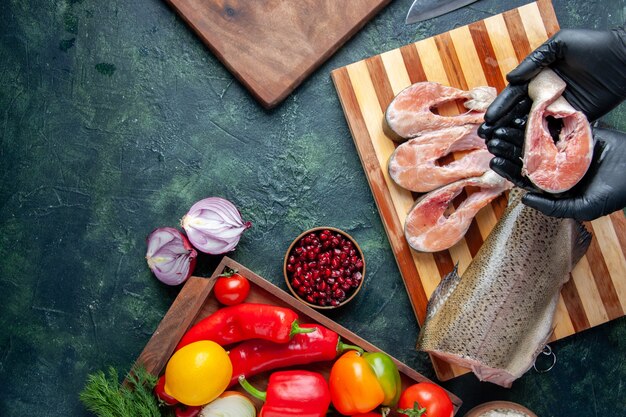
(271, 46)
(481, 53)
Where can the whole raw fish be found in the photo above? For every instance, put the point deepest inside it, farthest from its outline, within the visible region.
(498, 317)
(414, 164)
(410, 113)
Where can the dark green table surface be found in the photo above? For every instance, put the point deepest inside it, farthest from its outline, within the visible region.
(114, 119)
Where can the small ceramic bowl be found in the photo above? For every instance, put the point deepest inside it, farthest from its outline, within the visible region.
(506, 408)
(334, 270)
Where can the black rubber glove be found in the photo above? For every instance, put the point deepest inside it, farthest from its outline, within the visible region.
(601, 191)
(591, 62)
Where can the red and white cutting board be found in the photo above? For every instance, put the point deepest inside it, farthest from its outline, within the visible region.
(271, 46)
(481, 53)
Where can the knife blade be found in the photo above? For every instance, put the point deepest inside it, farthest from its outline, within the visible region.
(427, 9)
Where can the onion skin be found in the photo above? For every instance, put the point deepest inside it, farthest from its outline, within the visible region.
(214, 225)
(170, 256)
(229, 404)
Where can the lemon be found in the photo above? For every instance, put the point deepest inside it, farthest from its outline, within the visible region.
(198, 373)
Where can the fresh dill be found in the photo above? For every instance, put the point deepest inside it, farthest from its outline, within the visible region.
(106, 397)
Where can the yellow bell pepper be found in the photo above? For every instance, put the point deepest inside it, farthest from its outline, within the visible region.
(198, 373)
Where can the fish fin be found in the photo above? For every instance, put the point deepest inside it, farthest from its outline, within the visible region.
(481, 98)
(581, 241)
(515, 196)
(442, 292)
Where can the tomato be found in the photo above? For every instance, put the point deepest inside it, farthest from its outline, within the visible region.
(431, 397)
(369, 414)
(231, 289)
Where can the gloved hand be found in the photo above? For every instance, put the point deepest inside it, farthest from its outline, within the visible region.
(590, 62)
(601, 191)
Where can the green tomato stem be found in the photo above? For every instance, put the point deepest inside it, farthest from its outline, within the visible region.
(416, 411)
(228, 272)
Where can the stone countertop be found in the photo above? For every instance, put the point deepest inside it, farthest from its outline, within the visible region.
(115, 119)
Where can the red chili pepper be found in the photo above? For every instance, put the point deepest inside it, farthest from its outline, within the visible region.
(292, 393)
(255, 356)
(159, 391)
(245, 321)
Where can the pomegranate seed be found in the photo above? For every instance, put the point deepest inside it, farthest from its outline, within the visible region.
(323, 267)
(339, 293)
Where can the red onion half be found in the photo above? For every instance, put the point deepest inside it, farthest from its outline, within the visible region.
(214, 225)
(170, 256)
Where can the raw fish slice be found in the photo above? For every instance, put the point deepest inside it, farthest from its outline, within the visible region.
(498, 316)
(410, 112)
(429, 227)
(413, 164)
(555, 167)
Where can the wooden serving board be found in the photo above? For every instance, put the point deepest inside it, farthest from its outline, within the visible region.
(271, 46)
(481, 53)
(196, 301)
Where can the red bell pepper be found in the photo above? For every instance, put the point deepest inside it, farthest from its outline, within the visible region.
(159, 391)
(245, 321)
(252, 357)
(292, 393)
(187, 411)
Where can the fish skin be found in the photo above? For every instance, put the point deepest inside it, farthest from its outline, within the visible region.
(497, 318)
(410, 113)
(430, 227)
(413, 164)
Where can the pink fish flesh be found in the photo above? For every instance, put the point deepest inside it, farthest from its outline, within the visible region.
(555, 167)
(430, 227)
(410, 113)
(413, 165)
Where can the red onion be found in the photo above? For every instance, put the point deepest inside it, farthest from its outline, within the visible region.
(170, 256)
(214, 225)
